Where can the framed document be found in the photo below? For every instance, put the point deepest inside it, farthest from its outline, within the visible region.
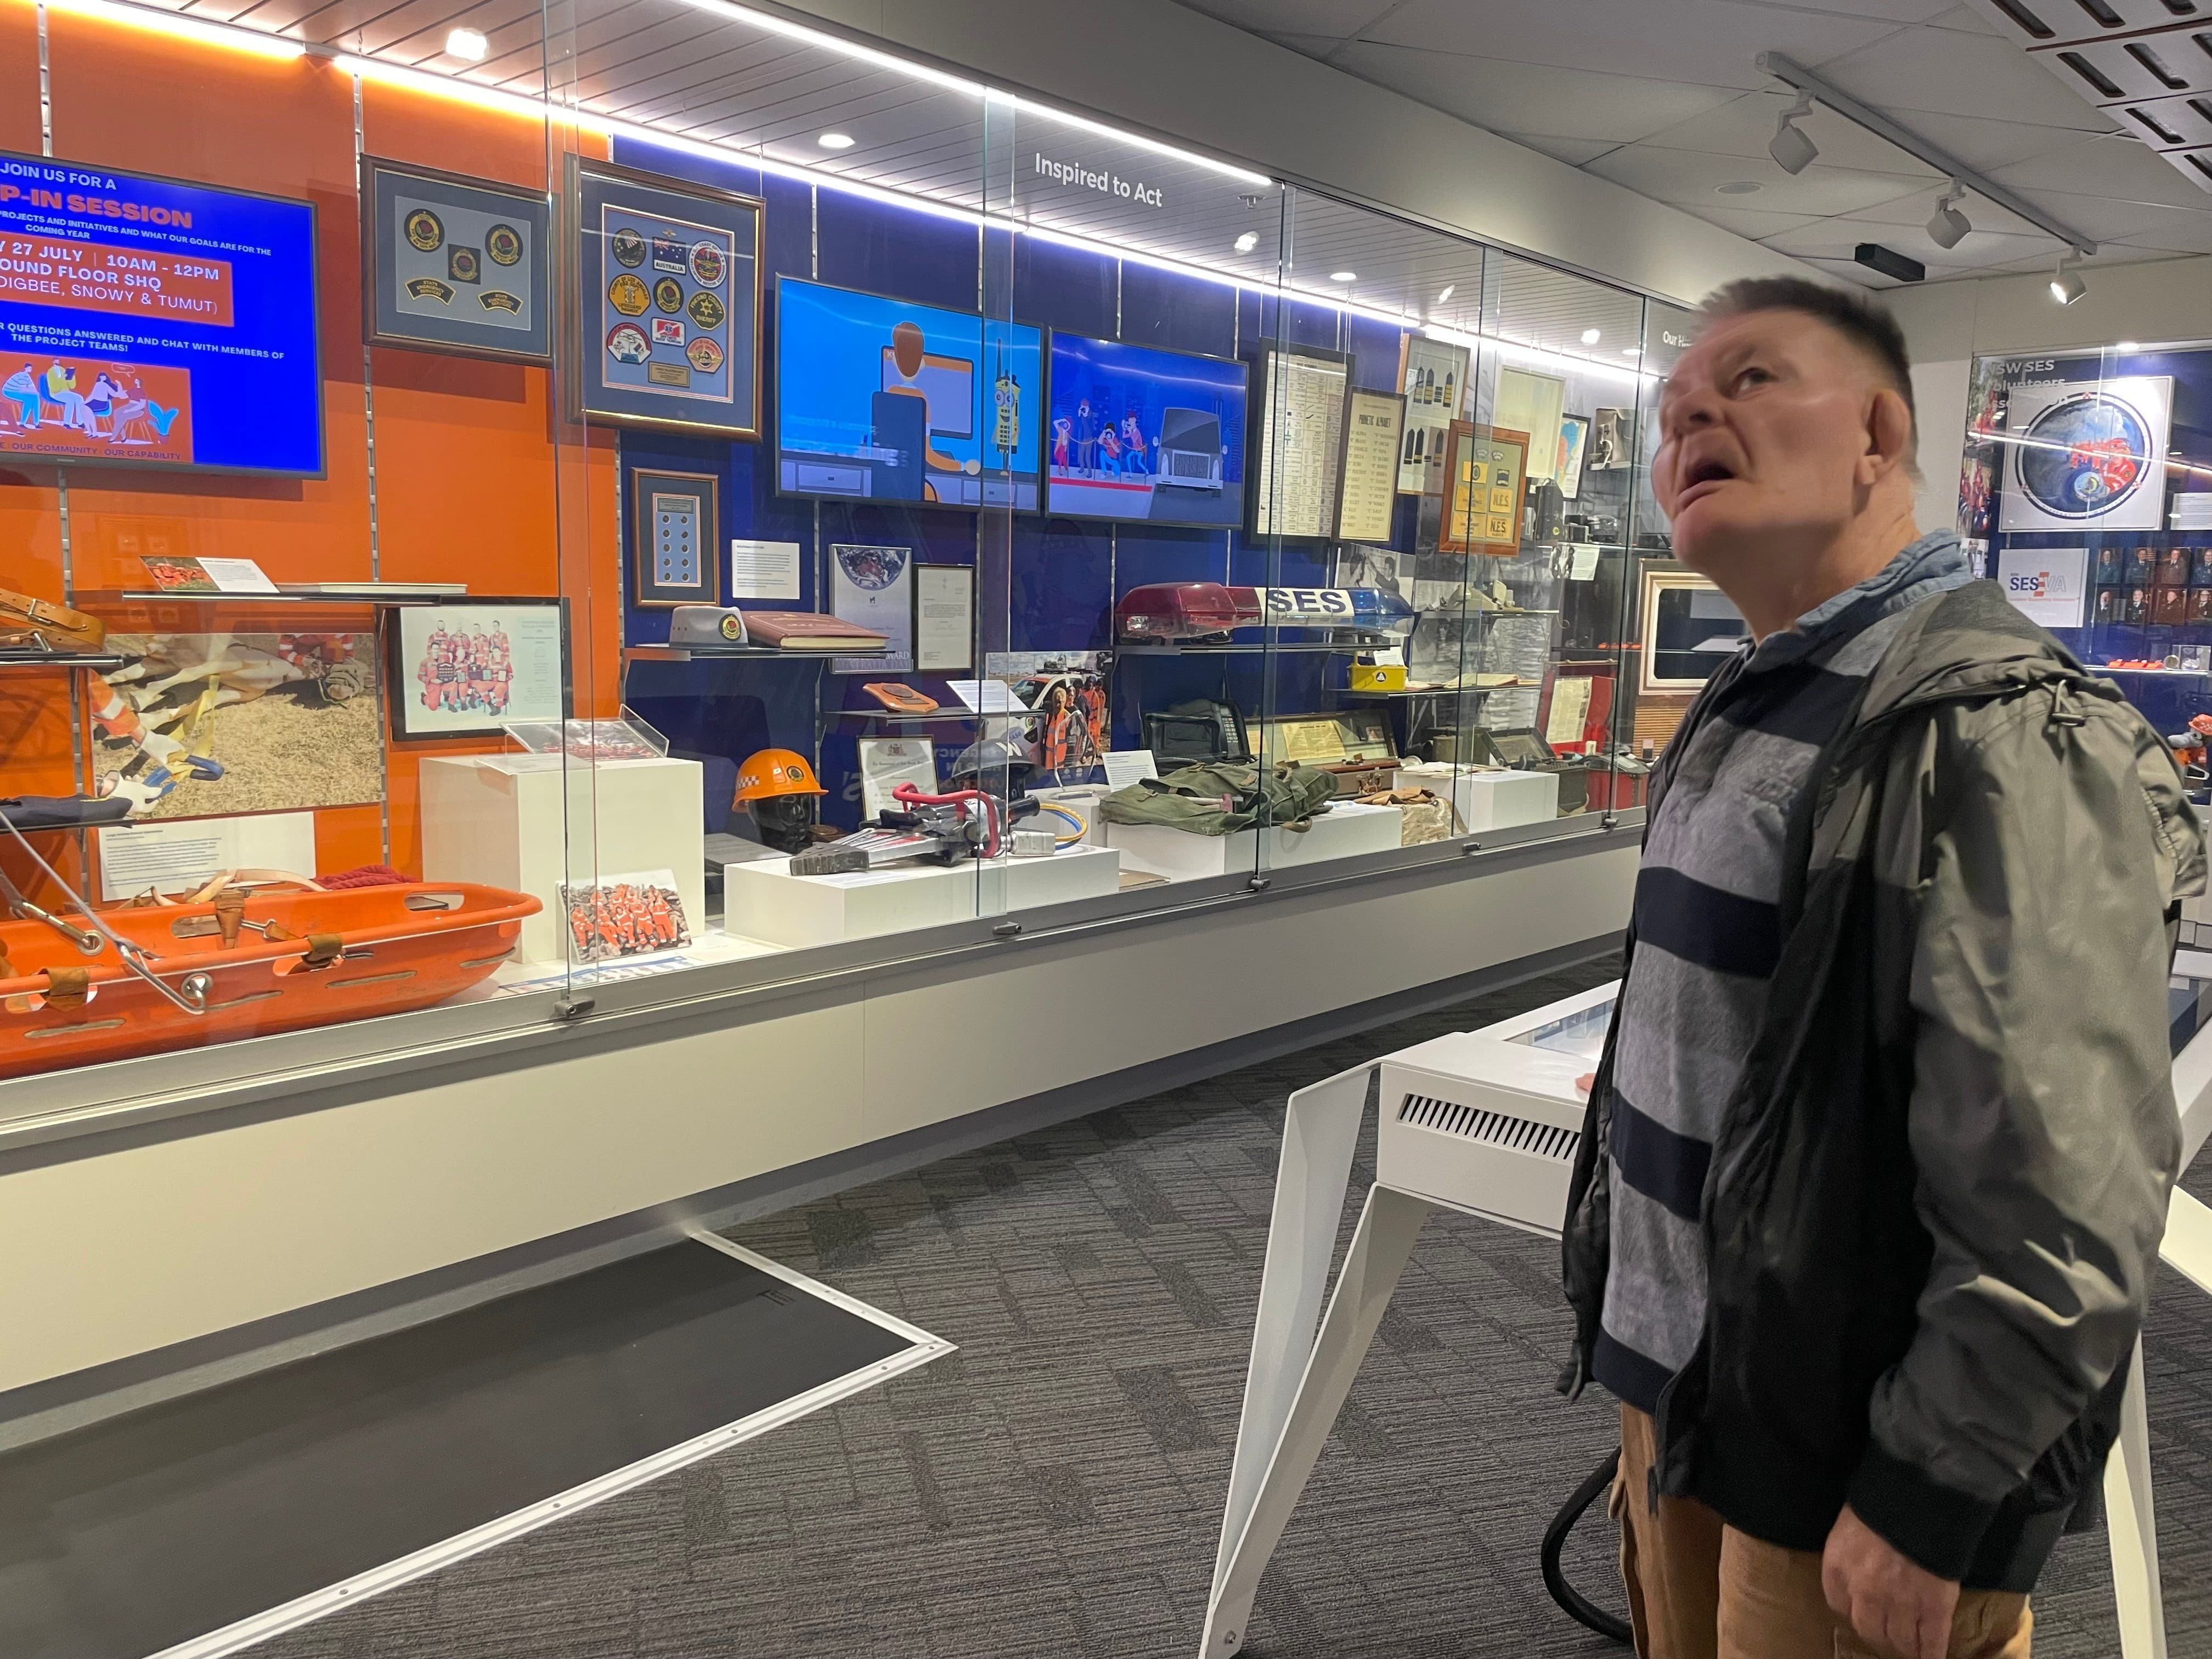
(887, 763)
(675, 546)
(470, 671)
(1293, 474)
(1574, 443)
(1485, 480)
(455, 265)
(1531, 403)
(666, 289)
(1432, 373)
(944, 618)
(1374, 429)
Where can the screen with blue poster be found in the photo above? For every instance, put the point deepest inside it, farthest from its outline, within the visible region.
(148, 322)
(884, 400)
(1135, 433)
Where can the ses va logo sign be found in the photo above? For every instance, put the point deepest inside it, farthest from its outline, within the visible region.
(2031, 585)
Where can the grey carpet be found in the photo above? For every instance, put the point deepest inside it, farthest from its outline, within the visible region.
(1055, 1489)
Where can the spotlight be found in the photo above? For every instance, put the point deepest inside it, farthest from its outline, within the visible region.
(1793, 152)
(1343, 276)
(1248, 241)
(467, 43)
(1589, 337)
(2066, 283)
(835, 140)
(1947, 227)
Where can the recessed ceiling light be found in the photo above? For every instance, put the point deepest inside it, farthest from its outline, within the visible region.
(1343, 276)
(1632, 351)
(467, 43)
(1449, 288)
(835, 141)
(1589, 337)
(1739, 187)
(1248, 241)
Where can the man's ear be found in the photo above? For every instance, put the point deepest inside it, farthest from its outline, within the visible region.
(1889, 437)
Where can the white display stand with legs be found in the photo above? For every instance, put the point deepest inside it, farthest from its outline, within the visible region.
(1487, 1123)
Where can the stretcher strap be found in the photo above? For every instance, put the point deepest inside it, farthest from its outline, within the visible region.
(230, 912)
(323, 950)
(67, 988)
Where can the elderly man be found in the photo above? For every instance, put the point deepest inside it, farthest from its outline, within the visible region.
(1879, 1153)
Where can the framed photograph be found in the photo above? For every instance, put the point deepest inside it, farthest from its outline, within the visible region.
(1432, 375)
(624, 915)
(471, 670)
(665, 292)
(1486, 482)
(451, 264)
(675, 541)
(1609, 446)
(1687, 629)
(944, 618)
(1574, 443)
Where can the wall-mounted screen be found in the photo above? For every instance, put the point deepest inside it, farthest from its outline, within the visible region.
(148, 322)
(1136, 433)
(884, 400)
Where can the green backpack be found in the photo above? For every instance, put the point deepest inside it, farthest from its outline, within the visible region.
(1222, 798)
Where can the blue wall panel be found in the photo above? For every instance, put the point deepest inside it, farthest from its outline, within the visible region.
(870, 245)
(1184, 313)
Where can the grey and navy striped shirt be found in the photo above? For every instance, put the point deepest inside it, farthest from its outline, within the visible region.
(1707, 934)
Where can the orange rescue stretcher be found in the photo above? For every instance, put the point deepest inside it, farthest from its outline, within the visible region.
(239, 959)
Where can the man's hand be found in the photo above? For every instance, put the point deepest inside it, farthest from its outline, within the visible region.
(1891, 1600)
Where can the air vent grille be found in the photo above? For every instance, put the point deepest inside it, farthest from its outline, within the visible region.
(1516, 1134)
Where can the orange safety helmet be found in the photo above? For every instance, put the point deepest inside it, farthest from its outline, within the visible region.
(776, 772)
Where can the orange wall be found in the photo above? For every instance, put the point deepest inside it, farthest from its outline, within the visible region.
(477, 477)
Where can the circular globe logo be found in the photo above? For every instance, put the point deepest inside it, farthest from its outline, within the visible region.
(2084, 455)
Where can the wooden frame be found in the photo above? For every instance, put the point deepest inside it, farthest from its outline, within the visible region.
(1475, 520)
(533, 221)
(671, 407)
(1656, 582)
(652, 588)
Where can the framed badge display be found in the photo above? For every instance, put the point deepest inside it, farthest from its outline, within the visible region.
(473, 669)
(454, 264)
(665, 292)
(1485, 479)
(674, 540)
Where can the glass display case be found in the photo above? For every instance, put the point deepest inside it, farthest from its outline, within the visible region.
(771, 507)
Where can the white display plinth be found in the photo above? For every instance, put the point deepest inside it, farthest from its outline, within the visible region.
(1489, 800)
(1346, 830)
(763, 900)
(502, 820)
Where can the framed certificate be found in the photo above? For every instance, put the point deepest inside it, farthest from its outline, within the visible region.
(1374, 430)
(1294, 471)
(455, 265)
(1485, 480)
(944, 618)
(472, 669)
(665, 290)
(675, 547)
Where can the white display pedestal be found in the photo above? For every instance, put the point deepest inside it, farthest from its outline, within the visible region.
(1488, 800)
(503, 820)
(1346, 830)
(763, 900)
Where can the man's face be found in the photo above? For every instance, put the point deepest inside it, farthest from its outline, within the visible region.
(1764, 429)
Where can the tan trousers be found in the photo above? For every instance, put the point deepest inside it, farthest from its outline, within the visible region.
(1697, 1588)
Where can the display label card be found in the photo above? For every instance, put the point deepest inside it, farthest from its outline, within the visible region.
(1126, 766)
(2046, 585)
(763, 570)
(986, 696)
(174, 857)
(2192, 510)
(174, 574)
(1581, 562)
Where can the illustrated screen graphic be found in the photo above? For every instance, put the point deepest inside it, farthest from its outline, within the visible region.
(884, 400)
(1135, 433)
(155, 323)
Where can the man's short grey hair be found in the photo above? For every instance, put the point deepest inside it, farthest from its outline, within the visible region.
(1864, 324)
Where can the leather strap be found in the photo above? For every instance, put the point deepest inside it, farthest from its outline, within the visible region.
(67, 988)
(323, 950)
(21, 611)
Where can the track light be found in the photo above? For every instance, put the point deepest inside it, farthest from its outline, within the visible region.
(1793, 152)
(2066, 283)
(1947, 227)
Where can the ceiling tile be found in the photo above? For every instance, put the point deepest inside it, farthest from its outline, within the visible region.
(2103, 218)
(1312, 45)
(2113, 166)
(1685, 177)
(1744, 126)
(1530, 99)
(1749, 223)
(1956, 74)
(1573, 151)
(1964, 19)
(2178, 232)
(1702, 42)
(1984, 144)
(1339, 20)
(1858, 274)
(1895, 11)
(1919, 207)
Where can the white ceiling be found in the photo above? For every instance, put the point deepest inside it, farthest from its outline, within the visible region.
(1666, 97)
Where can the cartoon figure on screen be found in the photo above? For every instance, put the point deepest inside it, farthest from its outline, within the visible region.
(1110, 449)
(1086, 437)
(1063, 431)
(902, 416)
(21, 389)
(61, 388)
(106, 394)
(1132, 445)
